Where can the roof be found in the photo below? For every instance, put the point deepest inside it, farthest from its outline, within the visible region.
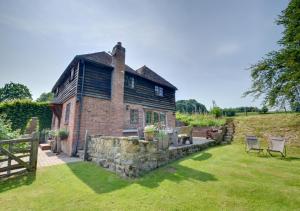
(106, 59)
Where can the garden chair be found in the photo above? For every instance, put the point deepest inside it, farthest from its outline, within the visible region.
(252, 143)
(184, 134)
(277, 144)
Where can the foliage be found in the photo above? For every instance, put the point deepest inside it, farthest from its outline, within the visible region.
(5, 129)
(20, 111)
(63, 133)
(161, 135)
(217, 111)
(277, 76)
(14, 91)
(45, 97)
(190, 106)
(199, 120)
(229, 111)
(264, 110)
(150, 129)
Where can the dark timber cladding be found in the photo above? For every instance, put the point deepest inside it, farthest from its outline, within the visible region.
(143, 94)
(66, 88)
(97, 81)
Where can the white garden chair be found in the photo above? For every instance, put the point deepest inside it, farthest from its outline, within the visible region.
(277, 144)
(252, 143)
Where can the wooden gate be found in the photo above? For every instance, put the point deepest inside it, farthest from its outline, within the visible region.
(18, 155)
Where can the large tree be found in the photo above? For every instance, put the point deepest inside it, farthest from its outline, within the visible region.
(277, 76)
(14, 91)
(45, 97)
(190, 106)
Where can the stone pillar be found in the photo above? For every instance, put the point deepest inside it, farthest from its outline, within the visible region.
(117, 92)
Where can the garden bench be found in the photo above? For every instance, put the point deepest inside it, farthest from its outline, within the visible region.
(277, 144)
(252, 143)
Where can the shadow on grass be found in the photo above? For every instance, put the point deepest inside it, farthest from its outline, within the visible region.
(103, 181)
(17, 181)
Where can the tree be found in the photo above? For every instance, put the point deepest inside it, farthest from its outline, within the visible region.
(277, 76)
(45, 97)
(14, 91)
(190, 106)
(217, 111)
(264, 110)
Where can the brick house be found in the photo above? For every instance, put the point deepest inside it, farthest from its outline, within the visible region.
(100, 94)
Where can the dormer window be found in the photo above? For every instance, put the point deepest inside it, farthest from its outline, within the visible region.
(159, 91)
(129, 82)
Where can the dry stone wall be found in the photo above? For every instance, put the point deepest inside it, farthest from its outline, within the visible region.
(130, 157)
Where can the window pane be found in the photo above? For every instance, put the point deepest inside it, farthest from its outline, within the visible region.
(156, 117)
(134, 116)
(162, 118)
(148, 118)
(67, 113)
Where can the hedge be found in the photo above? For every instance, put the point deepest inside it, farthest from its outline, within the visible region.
(19, 112)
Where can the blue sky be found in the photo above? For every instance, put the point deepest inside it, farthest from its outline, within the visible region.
(203, 47)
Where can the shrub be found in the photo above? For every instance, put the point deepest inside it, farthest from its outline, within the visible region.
(63, 134)
(5, 129)
(202, 120)
(150, 129)
(217, 111)
(20, 111)
(229, 112)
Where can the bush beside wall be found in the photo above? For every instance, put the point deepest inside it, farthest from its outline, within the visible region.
(19, 112)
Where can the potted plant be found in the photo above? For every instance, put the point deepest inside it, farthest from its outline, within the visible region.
(149, 132)
(63, 134)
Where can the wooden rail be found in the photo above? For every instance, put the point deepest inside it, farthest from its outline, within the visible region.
(18, 155)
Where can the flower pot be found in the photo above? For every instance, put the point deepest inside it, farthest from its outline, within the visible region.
(149, 136)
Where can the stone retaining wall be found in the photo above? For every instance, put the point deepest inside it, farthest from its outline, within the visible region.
(130, 157)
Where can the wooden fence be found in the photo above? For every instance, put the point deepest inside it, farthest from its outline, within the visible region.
(18, 155)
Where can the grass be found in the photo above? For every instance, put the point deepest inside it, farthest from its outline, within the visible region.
(220, 178)
(200, 119)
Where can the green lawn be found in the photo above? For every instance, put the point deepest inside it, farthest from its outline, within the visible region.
(223, 177)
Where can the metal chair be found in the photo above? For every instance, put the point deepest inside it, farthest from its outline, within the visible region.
(277, 144)
(252, 143)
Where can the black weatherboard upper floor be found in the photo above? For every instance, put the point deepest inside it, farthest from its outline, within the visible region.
(142, 86)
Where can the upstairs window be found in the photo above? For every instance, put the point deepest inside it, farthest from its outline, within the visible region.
(159, 91)
(67, 113)
(134, 116)
(129, 82)
(72, 74)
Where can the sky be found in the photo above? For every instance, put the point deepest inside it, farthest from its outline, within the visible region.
(203, 47)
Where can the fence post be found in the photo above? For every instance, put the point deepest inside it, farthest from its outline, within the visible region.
(34, 151)
(9, 159)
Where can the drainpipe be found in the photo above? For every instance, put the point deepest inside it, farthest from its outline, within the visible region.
(74, 153)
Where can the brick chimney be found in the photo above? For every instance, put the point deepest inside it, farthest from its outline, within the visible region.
(117, 92)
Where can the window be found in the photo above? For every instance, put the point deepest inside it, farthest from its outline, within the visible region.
(72, 75)
(154, 117)
(134, 116)
(159, 91)
(129, 81)
(162, 118)
(67, 113)
(148, 117)
(56, 91)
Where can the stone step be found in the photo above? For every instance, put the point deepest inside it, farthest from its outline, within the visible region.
(45, 146)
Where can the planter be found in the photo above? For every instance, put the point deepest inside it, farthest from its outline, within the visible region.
(149, 136)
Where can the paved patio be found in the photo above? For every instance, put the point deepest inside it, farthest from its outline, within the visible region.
(48, 158)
